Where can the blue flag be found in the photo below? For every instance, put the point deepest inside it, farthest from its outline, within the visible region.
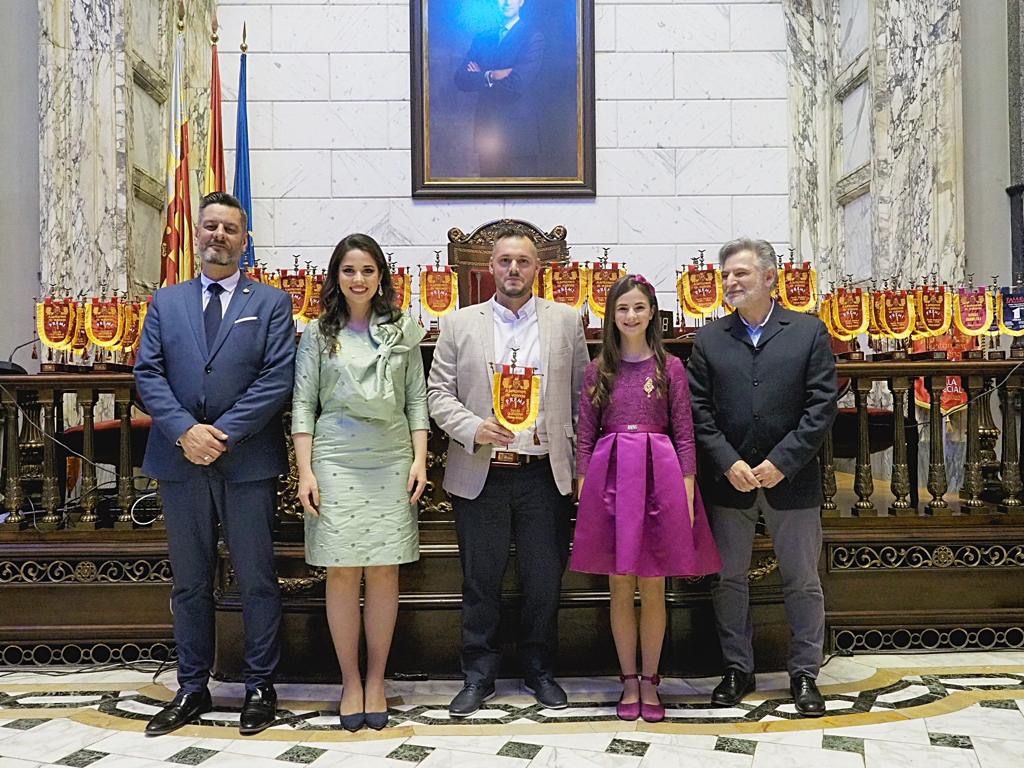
(243, 189)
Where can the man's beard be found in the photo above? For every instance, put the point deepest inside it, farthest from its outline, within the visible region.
(517, 293)
(219, 257)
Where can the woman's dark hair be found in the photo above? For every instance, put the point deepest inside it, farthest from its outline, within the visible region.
(334, 312)
(611, 347)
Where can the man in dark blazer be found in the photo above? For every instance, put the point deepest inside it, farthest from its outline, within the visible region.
(763, 384)
(214, 370)
(501, 67)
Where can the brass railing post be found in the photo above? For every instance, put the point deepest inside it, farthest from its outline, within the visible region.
(87, 400)
(937, 483)
(974, 483)
(1009, 400)
(125, 481)
(50, 495)
(14, 495)
(900, 481)
(828, 477)
(863, 483)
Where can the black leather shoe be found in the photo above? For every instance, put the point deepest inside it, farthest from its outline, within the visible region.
(547, 692)
(259, 710)
(185, 708)
(468, 700)
(806, 696)
(734, 686)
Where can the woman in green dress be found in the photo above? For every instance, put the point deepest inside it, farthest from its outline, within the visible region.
(359, 424)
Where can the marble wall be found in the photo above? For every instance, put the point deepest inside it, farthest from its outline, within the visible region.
(95, 134)
(913, 127)
(692, 132)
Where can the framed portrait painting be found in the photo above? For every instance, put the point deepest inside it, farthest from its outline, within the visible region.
(502, 98)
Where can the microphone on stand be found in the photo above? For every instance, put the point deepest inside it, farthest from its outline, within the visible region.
(9, 367)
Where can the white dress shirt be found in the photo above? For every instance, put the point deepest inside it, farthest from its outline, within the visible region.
(228, 284)
(521, 332)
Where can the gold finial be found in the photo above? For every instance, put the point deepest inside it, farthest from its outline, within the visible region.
(214, 37)
(181, 15)
(244, 46)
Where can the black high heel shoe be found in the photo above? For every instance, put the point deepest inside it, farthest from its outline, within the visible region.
(353, 722)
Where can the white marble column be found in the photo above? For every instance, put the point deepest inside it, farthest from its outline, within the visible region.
(915, 174)
(101, 149)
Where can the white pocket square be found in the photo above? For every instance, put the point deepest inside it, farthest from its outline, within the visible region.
(245, 319)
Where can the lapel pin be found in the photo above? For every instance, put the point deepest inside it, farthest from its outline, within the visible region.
(245, 290)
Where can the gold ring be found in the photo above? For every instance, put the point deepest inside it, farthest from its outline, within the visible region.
(206, 458)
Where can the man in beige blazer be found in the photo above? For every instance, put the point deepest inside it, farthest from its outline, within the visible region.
(507, 486)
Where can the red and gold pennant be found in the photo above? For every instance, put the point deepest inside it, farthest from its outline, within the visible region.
(566, 284)
(516, 397)
(439, 290)
(600, 281)
(700, 291)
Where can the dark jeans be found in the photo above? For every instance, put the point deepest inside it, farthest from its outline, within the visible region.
(246, 512)
(522, 505)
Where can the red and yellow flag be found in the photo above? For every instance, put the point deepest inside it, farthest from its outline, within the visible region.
(176, 257)
(213, 174)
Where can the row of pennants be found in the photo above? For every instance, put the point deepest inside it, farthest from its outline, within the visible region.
(571, 284)
(925, 311)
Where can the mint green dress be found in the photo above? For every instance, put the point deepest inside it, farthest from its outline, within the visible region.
(370, 394)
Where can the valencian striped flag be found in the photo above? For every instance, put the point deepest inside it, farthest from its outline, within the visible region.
(213, 176)
(176, 259)
(243, 190)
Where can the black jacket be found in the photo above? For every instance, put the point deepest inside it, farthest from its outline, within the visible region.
(774, 402)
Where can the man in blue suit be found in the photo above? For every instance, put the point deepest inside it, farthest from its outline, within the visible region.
(214, 370)
(501, 67)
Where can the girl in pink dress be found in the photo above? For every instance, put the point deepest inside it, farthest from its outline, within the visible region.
(640, 516)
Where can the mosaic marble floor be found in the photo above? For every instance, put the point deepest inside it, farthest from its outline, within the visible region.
(936, 711)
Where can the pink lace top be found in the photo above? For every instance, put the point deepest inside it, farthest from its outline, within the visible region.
(630, 404)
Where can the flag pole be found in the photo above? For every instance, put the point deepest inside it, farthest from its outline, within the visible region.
(213, 174)
(242, 186)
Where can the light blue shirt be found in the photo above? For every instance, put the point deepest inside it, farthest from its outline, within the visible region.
(754, 331)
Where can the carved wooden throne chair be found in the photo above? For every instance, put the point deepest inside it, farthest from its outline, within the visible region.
(469, 254)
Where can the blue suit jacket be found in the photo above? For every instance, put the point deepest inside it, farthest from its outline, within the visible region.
(239, 386)
(507, 115)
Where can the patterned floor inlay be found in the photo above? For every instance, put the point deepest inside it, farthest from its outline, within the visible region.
(739, 746)
(899, 695)
(82, 758)
(842, 744)
(627, 747)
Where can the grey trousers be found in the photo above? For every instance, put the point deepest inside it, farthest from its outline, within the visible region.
(796, 538)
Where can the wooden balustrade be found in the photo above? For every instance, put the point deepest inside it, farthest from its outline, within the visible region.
(888, 560)
(34, 498)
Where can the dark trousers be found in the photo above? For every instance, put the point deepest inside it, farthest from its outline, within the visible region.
(796, 539)
(525, 506)
(245, 512)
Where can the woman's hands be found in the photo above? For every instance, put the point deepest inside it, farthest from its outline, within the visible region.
(417, 480)
(309, 493)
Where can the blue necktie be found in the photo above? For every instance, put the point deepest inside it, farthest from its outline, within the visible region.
(212, 314)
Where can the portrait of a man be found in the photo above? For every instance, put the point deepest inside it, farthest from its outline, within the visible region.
(503, 91)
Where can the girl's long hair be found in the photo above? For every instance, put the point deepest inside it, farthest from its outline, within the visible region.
(334, 311)
(610, 356)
